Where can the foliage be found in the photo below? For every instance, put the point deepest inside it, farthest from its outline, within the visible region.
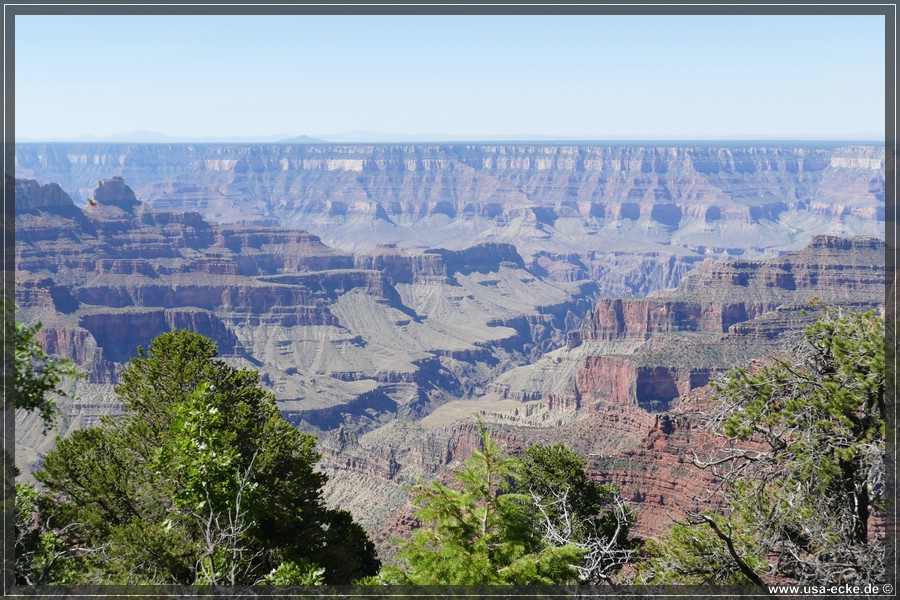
(803, 470)
(201, 481)
(691, 553)
(485, 532)
(290, 573)
(347, 550)
(38, 375)
(41, 553)
(577, 510)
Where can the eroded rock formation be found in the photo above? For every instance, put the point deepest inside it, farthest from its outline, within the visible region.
(629, 389)
(342, 339)
(633, 218)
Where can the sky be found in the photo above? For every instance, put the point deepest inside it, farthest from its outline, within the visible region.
(463, 77)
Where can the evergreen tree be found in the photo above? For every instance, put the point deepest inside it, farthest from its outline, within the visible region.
(481, 531)
(802, 473)
(201, 481)
(577, 510)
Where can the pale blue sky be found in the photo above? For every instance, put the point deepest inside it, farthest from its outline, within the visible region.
(587, 77)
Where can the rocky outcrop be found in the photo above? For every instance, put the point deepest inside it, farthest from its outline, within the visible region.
(481, 258)
(622, 381)
(30, 196)
(404, 267)
(75, 343)
(114, 192)
(720, 294)
(643, 319)
(656, 475)
(144, 325)
(438, 265)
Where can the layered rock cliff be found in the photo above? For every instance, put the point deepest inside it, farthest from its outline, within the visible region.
(342, 339)
(664, 183)
(573, 211)
(719, 294)
(650, 351)
(626, 391)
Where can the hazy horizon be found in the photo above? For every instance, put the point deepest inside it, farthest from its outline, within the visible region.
(372, 137)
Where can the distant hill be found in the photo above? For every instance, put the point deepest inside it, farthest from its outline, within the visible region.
(303, 139)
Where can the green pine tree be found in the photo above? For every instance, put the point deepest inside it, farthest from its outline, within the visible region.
(481, 531)
(802, 471)
(201, 481)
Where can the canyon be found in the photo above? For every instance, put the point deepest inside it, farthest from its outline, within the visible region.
(390, 295)
(339, 338)
(587, 211)
(630, 388)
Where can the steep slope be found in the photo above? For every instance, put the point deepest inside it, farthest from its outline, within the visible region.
(341, 339)
(657, 348)
(625, 389)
